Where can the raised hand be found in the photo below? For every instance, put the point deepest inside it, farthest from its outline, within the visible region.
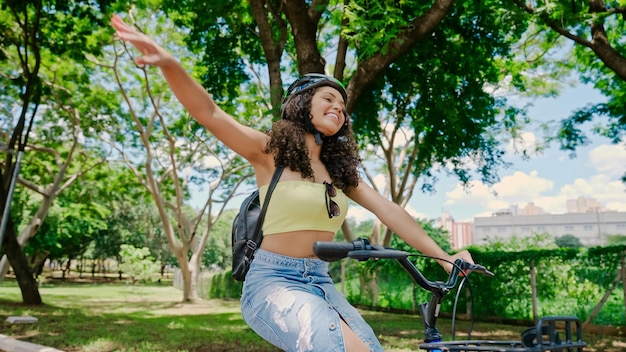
(151, 53)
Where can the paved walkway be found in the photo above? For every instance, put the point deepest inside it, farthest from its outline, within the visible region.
(8, 344)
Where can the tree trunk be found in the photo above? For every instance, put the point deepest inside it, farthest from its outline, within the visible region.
(604, 298)
(194, 272)
(533, 287)
(347, 232)
(369, 286)
(39, 268)
(186, 275)
(189, 272)
(344, 262)
(19, 263)
(623, 275)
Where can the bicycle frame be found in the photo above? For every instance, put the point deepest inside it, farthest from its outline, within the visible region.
(544, 336)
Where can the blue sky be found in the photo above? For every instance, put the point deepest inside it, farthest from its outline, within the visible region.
(547, 180)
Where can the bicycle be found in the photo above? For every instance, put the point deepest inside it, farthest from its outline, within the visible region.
(544, 336)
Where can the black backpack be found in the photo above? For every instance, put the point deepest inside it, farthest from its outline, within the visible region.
(246, 232)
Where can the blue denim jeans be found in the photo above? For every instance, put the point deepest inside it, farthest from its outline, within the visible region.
(293, 304)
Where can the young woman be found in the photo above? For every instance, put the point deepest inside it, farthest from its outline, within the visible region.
(288, 297)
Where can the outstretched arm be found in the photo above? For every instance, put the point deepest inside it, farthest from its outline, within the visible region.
(398, 220)
(244, 140)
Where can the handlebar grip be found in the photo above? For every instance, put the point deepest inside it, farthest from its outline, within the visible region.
(332, 251)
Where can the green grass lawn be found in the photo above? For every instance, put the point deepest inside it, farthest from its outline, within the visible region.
(117, 317)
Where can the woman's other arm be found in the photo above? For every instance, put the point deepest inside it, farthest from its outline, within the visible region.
(398, 220)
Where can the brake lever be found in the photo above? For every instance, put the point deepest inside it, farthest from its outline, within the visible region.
(476, 268)
(481, 270)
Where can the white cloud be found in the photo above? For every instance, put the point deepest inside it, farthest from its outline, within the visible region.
(520, 188)
(603, 188)
(609, 160)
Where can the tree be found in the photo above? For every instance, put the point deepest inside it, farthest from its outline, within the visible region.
(132, 220)
(76, 216)
(516, 244)
(598, 55)
(93, 217)
(137, 264)
(45, 89)
(585, 23)
(444, 119)
(568, 241)
(169, 153)
(391, 269)
(218, 249)
(235, 37)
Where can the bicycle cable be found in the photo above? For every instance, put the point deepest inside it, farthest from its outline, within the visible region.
(470, 329)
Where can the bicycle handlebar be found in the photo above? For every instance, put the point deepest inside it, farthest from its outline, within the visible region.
(361, 249)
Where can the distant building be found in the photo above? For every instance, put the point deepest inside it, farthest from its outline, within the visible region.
(585, 218)
(590, 228)
(532, 209)
(583, 205)
(529, 209)
(460, 232)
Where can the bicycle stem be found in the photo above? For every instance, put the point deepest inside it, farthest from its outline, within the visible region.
(429, 313)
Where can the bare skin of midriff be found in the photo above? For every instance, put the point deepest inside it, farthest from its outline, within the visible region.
(297, 244)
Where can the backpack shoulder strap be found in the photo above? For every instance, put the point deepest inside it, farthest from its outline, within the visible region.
(259, 224)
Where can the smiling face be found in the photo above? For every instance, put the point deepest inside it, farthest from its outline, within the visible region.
(328, 110)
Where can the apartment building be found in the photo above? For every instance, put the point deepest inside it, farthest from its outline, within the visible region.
(460, 232)
(590, 228)
(585, 219)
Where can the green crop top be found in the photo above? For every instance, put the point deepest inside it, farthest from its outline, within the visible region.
(301, 205)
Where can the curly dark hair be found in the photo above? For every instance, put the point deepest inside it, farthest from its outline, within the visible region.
(339, 152)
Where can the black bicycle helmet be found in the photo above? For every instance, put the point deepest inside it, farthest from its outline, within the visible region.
(307, 82)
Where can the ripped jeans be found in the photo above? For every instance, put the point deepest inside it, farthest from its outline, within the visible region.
(293, 304)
